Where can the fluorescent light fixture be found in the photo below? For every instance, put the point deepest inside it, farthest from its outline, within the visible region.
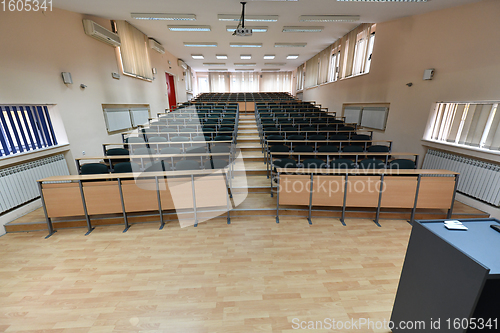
(248, 18)
(244, 64)
(302, 29)
(328, 18)
(245, 44)
(163, 16)
(245, 57)
(292, 56)
(231, 28)
(270, 70)
(244, 70)
(221, 56)
(275, 64)
(290, 44)
(197, 56)
(189, 28)
(217, 70)
(214, 64)
(269, 56)
(384, 0)
(200, 44)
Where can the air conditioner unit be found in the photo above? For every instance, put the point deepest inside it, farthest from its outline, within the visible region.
(100, 33)
(156, 46)
(182, 64)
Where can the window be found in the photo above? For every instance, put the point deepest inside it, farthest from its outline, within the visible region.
(203, 86)
(468, 124)
(367, 115)
(368, 63)
(334, 66)
(25, 128)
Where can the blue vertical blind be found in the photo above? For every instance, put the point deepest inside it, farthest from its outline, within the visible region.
(25, 128)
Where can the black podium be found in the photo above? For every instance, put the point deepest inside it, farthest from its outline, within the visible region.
(450, 280)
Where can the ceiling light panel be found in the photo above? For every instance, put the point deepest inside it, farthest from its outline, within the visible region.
(328, 18)
(245, 44)
(248, 18)
(231, 28)
(217, 70)
(221, 56)
(302, 29)
(292, 56)
(214, 64)
(244, 64)
(189, 28)
(163, 16)
(245, 57)
(270, 70)
(269, 56)
(274, 64)
(244, 70)
(197, 56)
(384, 0)
(200, 44)
(290, 44)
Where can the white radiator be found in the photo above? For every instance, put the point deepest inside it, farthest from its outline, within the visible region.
(18, 183)
(480, 180)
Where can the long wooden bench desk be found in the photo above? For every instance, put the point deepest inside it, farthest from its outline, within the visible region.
(384, 188)
(193, 192)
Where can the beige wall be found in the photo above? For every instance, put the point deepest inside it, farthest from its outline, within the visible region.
(37, 47)
(461, 43)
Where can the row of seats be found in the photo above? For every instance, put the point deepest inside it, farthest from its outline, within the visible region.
(302, 136)
(185, 137)
(328, 149)
(169, 150)
(343, 163)
(162, 165)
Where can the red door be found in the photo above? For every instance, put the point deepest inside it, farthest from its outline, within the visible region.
(172, 101)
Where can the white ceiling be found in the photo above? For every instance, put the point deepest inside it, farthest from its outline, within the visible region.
(206, 14)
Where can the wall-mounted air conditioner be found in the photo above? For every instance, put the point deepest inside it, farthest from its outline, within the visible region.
(100, 33)
(156, 46)
(182, 64)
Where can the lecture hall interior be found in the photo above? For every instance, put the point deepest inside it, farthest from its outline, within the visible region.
(249, 166)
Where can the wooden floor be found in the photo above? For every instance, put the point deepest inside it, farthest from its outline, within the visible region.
(251, 276)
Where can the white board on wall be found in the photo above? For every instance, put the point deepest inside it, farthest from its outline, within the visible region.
(374, 117)
(117, 119)
(139, 116)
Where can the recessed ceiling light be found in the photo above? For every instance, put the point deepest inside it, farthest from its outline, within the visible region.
(231, 28)
(163, 16)
(386, 0)
(328, 18)
(189, 28)
(197, 56)
(245, 57)
(270, 69)
(244, 64)
(275, 64)
(221, 56)
(290, 44)
(214, 64)
(200, 44)
(245, 44)
(302, 29)
(292, 56)
(248, 18)
(269, 56)
(217, 70)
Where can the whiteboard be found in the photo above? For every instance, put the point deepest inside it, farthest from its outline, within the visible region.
(374, 117)
(352, 114)
(139, 116)
(117, 119)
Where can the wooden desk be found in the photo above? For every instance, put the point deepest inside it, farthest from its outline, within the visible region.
(366, 188)
(192, 191)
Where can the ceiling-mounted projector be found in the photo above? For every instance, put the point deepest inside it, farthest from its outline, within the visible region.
(243, 32)
(240, 29)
